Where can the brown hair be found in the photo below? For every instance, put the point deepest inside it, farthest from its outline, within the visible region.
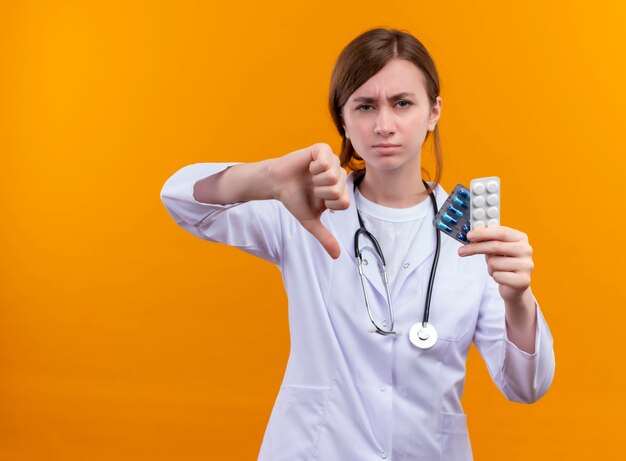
(360, 60)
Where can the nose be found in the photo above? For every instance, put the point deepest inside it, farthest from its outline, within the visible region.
(384, 122)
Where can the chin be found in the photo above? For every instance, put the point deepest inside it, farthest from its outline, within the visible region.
(386, 164)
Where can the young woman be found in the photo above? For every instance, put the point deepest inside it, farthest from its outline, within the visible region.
(361, 381)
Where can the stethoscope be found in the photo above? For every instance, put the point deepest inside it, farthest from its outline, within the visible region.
(422, 334)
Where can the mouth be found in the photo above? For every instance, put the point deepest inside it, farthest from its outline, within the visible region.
(387, 148)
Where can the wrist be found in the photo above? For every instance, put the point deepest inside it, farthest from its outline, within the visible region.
(520, 309)
(270, 171)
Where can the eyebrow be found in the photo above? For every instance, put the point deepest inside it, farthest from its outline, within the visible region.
(395, 97)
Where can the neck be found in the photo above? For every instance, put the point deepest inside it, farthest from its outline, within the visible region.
(401, 188)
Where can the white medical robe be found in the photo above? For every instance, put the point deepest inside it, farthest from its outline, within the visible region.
(349, 394)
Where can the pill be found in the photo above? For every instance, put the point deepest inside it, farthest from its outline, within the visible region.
(478, 188)
(453, 218)
(449, 219)
(479, 201)
(442, 226)
(485, 202)
(458, 202)
(479, 213)
(492, 187)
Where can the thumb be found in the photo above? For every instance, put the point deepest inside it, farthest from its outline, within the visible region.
(323, 235)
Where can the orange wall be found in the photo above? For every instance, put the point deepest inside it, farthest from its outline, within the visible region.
(122, 336)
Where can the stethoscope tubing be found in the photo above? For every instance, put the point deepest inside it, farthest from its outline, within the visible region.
(433, 269)
(363, 231)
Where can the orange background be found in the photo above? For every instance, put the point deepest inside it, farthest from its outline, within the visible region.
(124, 337)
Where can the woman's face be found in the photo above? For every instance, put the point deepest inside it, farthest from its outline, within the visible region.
(392, 107)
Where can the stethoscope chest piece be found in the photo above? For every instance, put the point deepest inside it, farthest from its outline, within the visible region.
(423, 336)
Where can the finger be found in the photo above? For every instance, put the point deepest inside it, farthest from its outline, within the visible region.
(319, 166)
(512, 279)
(328, 192)
(341, 204)
(502, 233)
(323, 235)
(496, 247)
(330, 177)
(323, 159)
(507, 264)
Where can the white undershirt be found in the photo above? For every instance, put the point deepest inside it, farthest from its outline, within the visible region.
(394, 228)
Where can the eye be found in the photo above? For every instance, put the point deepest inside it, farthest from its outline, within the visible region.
(363, 105)
(409, 103)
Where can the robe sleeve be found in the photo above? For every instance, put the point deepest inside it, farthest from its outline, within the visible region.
(520, 376)
(257, 227)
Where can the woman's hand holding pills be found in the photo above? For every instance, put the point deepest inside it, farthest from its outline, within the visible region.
(309, 181)
(508, 255)
(509, 262)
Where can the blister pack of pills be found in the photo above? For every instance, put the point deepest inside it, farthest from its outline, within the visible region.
(470, 208)
(453, 218)
(485, 202)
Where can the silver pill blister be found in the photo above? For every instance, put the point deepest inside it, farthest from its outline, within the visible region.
(485, 202)
(453, 218)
